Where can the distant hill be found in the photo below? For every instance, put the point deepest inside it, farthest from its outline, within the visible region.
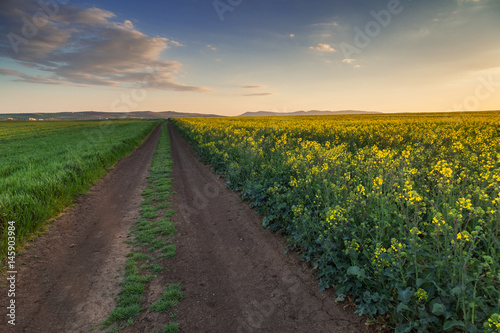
(304, 113)
(95, 115)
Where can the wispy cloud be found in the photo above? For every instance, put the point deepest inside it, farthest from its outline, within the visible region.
(211, 47)
(476, 1)
(259, 94)
(322, 48)
(418, 33)
(86, 47)
(327, 24)
(253, 87)
(348, 61)
(351, 62)
(27, 78)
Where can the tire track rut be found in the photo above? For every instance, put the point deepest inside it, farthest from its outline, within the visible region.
(236, 275)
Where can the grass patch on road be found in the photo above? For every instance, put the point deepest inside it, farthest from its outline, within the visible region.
(151, 240)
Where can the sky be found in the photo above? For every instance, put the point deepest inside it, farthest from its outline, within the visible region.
(233, 56)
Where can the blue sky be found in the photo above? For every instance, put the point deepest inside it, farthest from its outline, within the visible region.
(233, 56)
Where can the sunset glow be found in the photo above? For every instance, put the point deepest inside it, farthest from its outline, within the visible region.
(230, 57)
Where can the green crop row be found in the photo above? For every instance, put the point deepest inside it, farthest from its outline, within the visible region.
(399, 212)
(45, 165)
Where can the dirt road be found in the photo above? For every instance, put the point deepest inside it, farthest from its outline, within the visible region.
(235, 275)
(67, 277)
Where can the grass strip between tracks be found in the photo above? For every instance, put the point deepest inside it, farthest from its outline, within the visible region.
(151, 241)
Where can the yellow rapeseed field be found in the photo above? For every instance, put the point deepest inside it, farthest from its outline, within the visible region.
(401, 212)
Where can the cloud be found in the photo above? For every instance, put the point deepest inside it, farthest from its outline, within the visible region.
(351, 62)
(213, 48)
(418, 34)
(71, 45)
(253, 87)
(259, 94)
(322, 48)
(292, 35)
(27, 78)
(327, 24)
